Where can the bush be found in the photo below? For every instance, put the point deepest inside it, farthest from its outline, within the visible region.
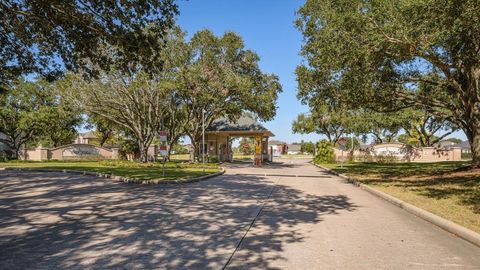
(386, 158)
(324, 152)
(212, 159)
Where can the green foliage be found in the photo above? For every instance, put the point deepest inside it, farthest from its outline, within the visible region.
(355, 142)
(43, 33)
(466, 155)
(322, 120)
(425, 130)
(179, 149)
(212, 159)
(307, 147)
(324, 153)
(213, 77)
(246, 146)
(390, 55)
(134, 102)
(33, 112)
(146, 171)
(385, 158)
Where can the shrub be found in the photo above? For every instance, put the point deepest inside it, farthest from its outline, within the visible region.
(466, 155)
(212, 159)
(324, 152)
(386, 158)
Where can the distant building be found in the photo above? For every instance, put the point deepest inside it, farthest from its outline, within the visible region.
(86, 138)
(294, 149)
(219, 135)
(278, 147)
(465, 146)
(444, 144)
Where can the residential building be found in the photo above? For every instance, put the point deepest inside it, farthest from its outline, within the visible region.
(465, 146)
(86, 138)
(277, 147)
(294, 149)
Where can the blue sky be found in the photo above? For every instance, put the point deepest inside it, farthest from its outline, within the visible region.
(267, 28)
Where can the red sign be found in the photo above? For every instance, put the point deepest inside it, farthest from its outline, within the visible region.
(163, 136)
(342, 141)
(163, 150)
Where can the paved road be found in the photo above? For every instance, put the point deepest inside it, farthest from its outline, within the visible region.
(249, 218)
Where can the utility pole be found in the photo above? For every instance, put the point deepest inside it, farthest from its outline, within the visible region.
(203, 139)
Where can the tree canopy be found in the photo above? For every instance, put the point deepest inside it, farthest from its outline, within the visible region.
(46, 37)
(206, 76)
(387, 55)
(33, 112)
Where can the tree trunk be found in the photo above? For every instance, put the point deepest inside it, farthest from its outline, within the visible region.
(474, 140)
(195, 148)
(143, 147)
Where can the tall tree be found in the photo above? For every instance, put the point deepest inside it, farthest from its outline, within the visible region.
(323, 121)
(384, 127)
(427, 129)
(174, 58)
(136, 103)
(49, 36)
(105, 129)
(392, 54)
(32, 111)
(223, 79)
(61, 129)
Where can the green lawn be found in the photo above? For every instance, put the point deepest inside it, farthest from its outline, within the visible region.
(443, 188)
(149, 171)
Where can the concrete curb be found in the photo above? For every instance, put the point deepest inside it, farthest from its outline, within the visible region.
(121, 178)
(447, 225)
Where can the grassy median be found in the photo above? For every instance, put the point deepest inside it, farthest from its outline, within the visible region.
(443, 188)
(147, 171)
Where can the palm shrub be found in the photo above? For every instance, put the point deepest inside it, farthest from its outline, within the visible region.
(324, 152)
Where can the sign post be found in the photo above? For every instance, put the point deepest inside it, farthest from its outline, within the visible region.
(163, 149)
(342, 142)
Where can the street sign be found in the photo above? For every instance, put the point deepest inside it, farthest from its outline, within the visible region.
(342, 143)
(163, 150)
(163, 136)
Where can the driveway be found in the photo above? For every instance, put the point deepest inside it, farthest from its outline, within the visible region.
(284, 216)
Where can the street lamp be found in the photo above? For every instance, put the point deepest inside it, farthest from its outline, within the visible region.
(203, 138)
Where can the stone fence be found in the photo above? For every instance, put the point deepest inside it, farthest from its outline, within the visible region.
(400, 152)
(70, 152)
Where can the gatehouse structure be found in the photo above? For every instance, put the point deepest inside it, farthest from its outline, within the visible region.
(219, 136)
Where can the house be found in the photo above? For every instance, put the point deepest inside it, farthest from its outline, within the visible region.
(444, 144)
(465, 146)
(277, 147)
(86, 138)
(294, 149)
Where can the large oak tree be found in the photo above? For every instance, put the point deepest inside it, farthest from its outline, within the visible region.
(48, 37)
(220, 78)
(391, 54)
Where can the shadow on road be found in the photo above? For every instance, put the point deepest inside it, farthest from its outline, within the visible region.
(59, 221)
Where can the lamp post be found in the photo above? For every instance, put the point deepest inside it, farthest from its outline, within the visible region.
(203, 139)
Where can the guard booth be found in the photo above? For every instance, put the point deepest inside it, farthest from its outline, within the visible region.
(220, 134)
